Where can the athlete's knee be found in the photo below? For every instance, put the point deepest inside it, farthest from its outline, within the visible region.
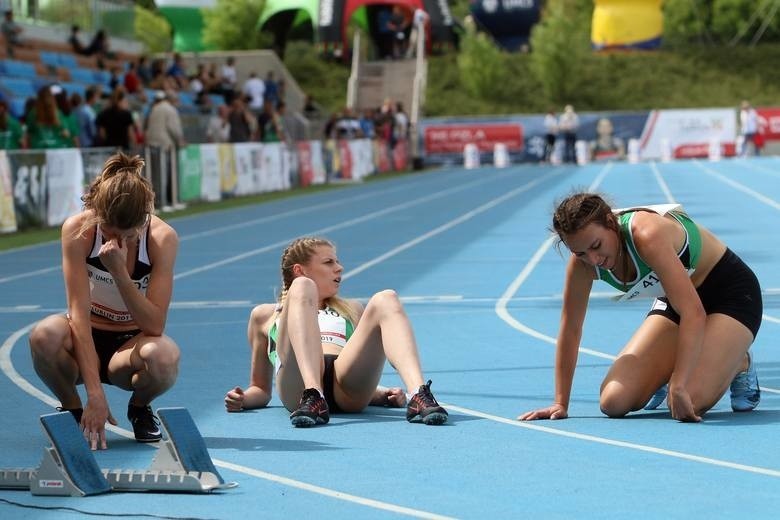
(161, 358)
(302, 290)
(614, 400)
(46, 339)
(386, 301)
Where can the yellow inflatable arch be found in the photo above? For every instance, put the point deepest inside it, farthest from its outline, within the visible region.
(627, 24)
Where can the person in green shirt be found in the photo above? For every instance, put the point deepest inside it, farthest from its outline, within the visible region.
(45, 123)
(11, 131)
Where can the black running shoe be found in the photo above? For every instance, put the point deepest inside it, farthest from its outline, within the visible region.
(312, 410)
(146, 426)
(423, 407)
(77, 412)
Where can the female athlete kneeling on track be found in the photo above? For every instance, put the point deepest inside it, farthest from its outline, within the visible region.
(697, 334)
(328, 353)
(117, 260)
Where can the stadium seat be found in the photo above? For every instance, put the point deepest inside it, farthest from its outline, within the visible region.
(17, 87)
(71, 87)
(51, 59)
(18, 69)
(16, 106)
(68, 61)
(81, 75)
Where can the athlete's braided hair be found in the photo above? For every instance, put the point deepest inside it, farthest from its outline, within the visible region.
(300, 251)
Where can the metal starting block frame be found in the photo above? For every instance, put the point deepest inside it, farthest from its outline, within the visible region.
(182, 463)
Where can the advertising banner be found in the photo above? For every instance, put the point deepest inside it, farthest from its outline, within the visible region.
(28, 175)
(190, 173)
(65, 184)
(317, 162)
(689, 132)
(210, 179)
(228, 178)
(7, 215)
(248, 168)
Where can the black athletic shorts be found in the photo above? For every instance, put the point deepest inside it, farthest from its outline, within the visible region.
(107, 342)
(731, 288)
(328, 380)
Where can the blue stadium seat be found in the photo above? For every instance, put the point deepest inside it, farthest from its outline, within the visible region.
(51, 59)
(18, 69)
(71, 87)
(81, 75)
(17, 87)
(67, 60)
(102, 77)
(185, 98)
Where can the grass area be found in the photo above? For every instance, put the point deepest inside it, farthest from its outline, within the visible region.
(37, 236)
(674, 77)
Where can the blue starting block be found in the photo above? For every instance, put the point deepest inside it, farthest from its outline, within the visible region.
(182, 463)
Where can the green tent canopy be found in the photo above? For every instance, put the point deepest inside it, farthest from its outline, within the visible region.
(187, 21)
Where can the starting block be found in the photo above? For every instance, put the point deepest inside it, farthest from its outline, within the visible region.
(182, 463)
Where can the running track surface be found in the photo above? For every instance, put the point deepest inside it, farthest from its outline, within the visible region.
(471, 256)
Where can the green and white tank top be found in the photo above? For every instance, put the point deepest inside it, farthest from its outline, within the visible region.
(646, 284)
(334, 328)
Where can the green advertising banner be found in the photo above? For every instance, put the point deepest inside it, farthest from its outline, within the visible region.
(190, 173)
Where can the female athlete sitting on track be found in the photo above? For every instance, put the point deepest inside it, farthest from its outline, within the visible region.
(117, 260)
(697, 334)
(328, 353)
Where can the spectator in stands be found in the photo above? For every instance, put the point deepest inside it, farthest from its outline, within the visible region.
(163, 130)
(11, 132)
(400, 25)
(367, 123)
(197, 82)
(144, 71)
(385, 122)
(160, 81)
(12, 33)
(218, 130)
(401, 126)
(310, 108)
(163, 127)
(348, 126)
(116, 78)
(242, 123)
(177, 72)
(254, 90)
(273, 124)
(115, 124)
(550, 134)
(98, 46)
(131, 80)
(386, 32)
(272, 88)
(568, 124)
(748, 128)
(69, 119)
(228, 76)
(45, 122)
(419, 21)
(85, 115)
(213, 84)
(75, 41)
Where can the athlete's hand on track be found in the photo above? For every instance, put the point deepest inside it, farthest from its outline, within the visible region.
(555, 411)
(234, 400)
(680, 404)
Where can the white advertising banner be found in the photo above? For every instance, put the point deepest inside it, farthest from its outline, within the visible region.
(209, 182)
(276, 169)
(689, 133)
(362, 158)
(317, 163)
(7, 212)
(65, 184)
(249, 166)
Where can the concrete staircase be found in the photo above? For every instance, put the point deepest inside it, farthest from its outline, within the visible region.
(378, 80)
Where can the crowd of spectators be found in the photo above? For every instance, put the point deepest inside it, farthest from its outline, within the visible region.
(388, 122)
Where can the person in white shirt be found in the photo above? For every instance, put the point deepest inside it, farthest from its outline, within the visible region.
(254, 89)
(748, 127)
(419, 21)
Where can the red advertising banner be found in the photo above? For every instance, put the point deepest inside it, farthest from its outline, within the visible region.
(345, 159)
(304, 163)
(452, 138)
(769, 123)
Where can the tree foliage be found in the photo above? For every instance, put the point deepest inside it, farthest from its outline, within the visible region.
(152, 30)
(560, 45)
(232, 25)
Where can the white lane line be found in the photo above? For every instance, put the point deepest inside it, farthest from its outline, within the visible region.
(29, 274)
(620, 444)
(661, 182)
(13, 375)
(7, 367)
(738, 186)
(344, 224)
